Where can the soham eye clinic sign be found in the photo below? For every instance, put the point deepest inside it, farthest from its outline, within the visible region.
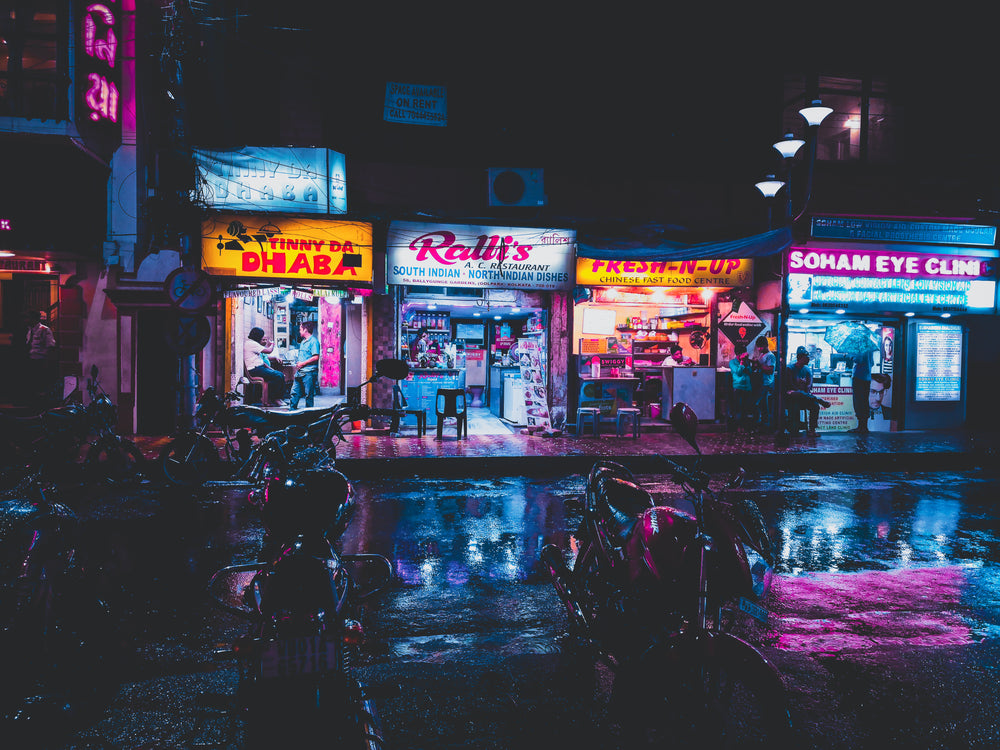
(869, 280)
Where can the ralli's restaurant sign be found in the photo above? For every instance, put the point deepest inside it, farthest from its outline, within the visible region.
(287, 248)
(477, 256)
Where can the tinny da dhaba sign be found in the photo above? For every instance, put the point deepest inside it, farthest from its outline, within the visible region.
(479, 256)
(278, 247)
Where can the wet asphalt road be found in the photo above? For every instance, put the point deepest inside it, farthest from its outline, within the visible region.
(885, 619)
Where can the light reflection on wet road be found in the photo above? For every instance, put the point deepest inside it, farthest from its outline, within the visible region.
(878, 578)
(910, 558)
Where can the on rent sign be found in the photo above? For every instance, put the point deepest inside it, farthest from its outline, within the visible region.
(416, 105)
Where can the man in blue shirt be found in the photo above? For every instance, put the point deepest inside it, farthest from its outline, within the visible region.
(306, 366)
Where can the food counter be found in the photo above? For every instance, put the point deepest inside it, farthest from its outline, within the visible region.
(607, 393)
(421, 386)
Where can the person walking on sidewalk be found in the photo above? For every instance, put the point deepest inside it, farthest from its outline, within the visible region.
(307, 366)
(798, 392)
(861, 383)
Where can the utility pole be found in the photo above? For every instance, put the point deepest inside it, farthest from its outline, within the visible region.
(176, 179)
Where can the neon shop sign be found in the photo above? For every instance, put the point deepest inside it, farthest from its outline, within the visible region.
(887, 280)
(98, 69)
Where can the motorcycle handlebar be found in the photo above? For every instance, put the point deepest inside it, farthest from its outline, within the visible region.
(682, 475)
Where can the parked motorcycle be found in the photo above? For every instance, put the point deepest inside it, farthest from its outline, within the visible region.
(656, 591)
(59, 640)
(192, 457)
(51, 442)
(304, 598)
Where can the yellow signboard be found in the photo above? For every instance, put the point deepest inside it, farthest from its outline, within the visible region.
(718, 272)
(287, 248)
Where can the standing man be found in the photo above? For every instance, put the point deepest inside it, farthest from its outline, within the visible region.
(41, 370)
(307, 366)
(861, 381)
(765, 359)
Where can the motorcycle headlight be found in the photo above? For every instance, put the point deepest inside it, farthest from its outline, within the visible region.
(107, 410)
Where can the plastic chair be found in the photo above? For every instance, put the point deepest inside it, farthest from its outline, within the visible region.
(628, 414)
(585, 414)
(450, 402)
(399, 403)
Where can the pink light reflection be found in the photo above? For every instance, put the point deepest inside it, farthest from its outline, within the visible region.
(836, 612)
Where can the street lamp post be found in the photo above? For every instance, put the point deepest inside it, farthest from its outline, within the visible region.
(788, 147)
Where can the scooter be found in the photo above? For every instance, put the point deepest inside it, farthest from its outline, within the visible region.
(303, 598)
(655, 591)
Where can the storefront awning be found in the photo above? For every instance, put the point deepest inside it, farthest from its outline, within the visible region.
(649, 242)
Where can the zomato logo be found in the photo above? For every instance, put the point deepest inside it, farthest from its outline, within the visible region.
(442, 247)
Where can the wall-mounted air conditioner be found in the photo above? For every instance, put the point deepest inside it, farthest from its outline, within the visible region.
(514, 186)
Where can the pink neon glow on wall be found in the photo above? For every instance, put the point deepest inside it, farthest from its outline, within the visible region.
(330, 344)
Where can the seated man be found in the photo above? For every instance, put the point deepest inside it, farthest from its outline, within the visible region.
(798, 393)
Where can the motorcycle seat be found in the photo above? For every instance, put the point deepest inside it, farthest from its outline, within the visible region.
(254, 417)
(620, 503)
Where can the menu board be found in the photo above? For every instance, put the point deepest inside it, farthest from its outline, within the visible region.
(536, 402)
(939, 362)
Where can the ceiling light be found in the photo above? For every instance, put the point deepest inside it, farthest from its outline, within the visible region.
(910, 315)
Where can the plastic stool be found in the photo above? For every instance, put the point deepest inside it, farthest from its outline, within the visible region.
(628, 414)
(588, 413)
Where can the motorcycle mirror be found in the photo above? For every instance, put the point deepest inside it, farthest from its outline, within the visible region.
(685, 422)
(93, 372)
(394, 369)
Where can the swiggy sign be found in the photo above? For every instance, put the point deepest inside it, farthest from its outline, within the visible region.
(277, 247)
(718, 272)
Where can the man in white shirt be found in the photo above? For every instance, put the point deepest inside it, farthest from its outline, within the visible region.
(42, 365)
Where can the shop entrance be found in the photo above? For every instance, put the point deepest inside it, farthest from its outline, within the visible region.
(280, 312)
(833, 345)
(463, 344)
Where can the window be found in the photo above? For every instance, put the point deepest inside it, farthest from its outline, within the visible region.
(34, 79)
(864, 125)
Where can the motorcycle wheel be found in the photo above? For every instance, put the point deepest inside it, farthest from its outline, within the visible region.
(711, 691)
(115, 459)
(189, 460)
(324, 711)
